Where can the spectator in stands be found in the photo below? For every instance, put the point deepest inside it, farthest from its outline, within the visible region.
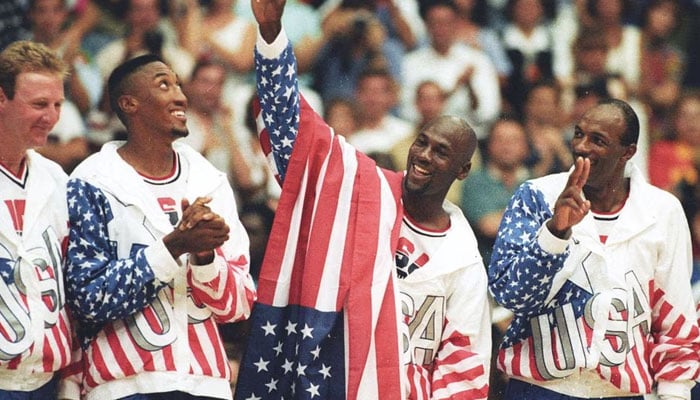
(211, 126)
(377, 129)
(341, 115)
(356, 41)
(49, 20)
(67, 143)
(399, 18)
(623, 40)
(672, 160)
(473, 30)
(466, 73)
(662, 65)
(215, 31)
(147, 31)
(487, 190)
(543, 121)
(530, 45)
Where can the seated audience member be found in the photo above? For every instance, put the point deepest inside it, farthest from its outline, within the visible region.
(662, 64)
(487, 190)
(529, 42)
(465, 73)
(473, 30)
(147, 31)
(543, 119)
(378, 130)
(672, 160)
(355, 41)
(341, 115)
(211, 125)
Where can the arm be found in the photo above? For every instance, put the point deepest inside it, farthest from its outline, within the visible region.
(461, 367)
(276, 83)
(484, 88)
(531, 245)
(225, 286)
(101, 287)
(523, 245)
(675, 350)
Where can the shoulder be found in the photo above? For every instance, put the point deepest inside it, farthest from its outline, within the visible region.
(460, 227)
(97, 162)
(549, 186)
(37, 162)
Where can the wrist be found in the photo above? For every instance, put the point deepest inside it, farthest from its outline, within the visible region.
(202, 258)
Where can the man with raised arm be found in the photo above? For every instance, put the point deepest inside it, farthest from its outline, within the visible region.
(372, 285)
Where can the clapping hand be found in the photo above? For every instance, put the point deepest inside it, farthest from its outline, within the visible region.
(199, 232)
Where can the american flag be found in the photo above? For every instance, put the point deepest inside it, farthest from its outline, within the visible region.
(325, 324)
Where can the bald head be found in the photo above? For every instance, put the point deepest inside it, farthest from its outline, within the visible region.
(458, 132)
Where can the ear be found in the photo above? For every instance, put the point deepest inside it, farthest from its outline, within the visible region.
(629, 152)
(464, 171)
(3, 98)
(127, 103)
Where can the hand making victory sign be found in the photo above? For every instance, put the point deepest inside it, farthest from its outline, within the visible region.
(571, 206)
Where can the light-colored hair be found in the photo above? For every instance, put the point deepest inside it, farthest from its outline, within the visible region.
(27, 56)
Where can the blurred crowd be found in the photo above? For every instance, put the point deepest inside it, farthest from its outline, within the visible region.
(520, 71)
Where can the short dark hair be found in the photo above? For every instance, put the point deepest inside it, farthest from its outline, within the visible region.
(115, 84)
(631, 134)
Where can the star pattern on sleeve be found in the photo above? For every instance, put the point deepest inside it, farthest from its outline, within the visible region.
(278, 94)
(100, 286)
(521, 272)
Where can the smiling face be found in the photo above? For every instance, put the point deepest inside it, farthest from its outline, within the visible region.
(599, 137)
(440, 154)
(156, 102)
(27, 119)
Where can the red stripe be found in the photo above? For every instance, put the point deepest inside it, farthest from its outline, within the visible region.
(199, 354)
(320, 234)
(48, 356)
(101, 367)
(222, 366)
(643, 368)
(515, 361)
(359, 293)
(117, 351)
(168, 358)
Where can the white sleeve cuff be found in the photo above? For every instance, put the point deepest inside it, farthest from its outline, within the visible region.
(205, 273)
(162, 263)
(550, 243)
(274, 49)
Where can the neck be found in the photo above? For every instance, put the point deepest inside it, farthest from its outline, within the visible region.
(148, 159)
(609, 197)
(428, 213)
(12, 158)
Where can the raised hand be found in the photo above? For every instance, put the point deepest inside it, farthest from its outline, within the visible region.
(268, 14)
(571, 206)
